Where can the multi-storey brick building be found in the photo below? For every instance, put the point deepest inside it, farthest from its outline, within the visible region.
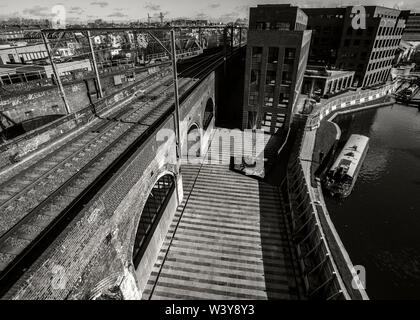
(368, 51)
(276, 57)
(326, 25)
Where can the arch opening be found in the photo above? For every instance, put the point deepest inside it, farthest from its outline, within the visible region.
(208, 113)
(155, 206)
(193, 142)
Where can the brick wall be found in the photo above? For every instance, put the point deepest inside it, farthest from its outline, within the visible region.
(92, 258)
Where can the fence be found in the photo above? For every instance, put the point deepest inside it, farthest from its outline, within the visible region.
(321, 277)
(348, 101)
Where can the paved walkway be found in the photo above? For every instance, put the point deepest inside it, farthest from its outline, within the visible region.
(228, 240)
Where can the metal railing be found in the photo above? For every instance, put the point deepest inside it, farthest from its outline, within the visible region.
(348, 101)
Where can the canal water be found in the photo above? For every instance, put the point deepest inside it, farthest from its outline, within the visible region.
(379, 223)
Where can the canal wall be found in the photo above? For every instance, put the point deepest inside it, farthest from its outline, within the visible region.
(325, 264)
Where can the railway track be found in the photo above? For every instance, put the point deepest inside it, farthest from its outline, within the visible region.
(54, 190)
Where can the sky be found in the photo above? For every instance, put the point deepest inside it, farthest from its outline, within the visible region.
(119, 10)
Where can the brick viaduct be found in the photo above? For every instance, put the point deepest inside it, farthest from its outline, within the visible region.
(93, 257)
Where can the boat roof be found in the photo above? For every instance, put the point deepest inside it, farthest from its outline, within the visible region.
(351, 153)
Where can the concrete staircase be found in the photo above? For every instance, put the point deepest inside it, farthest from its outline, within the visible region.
(228, 240)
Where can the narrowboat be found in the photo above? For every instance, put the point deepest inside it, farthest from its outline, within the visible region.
(342, 175)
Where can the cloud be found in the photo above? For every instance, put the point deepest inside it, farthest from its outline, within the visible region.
(202, 16)
(214, 5)
(101, 4)
(117, 15)
(242, 9)
(38, 11)
(75, 10)
(229, 17)
(152, 7)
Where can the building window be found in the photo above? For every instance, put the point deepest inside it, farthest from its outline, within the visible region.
(255, 77)
(273, 54)
(270, 77)
(253, 98)
(256, 54)
(289, 56)
(346, 42)
(286, 78)
(282, 26)
(283, 99)
(266, 122)
(268, 100)
(290, 53)
(280, 120)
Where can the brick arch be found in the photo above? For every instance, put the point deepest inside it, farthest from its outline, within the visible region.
(194, 129)
(142, 268)
(139, 211)
(208, 112)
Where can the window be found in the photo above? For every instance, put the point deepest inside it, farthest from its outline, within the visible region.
(290, 53)
(256, 54)
(255, 77)
(273, 54)
(253, 98)
(283, 99)
(270, 77)
(286, 78)
(356, 42)
(289, 56)
(346, 42)
(282, 26)
(266, 122)
(280, 120)
(268, 100)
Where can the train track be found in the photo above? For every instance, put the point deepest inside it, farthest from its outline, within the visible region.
(58, 187)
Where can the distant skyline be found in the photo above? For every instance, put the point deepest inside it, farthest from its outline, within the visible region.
(132, 10)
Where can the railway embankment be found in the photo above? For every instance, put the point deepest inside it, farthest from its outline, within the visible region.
(17, 149)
